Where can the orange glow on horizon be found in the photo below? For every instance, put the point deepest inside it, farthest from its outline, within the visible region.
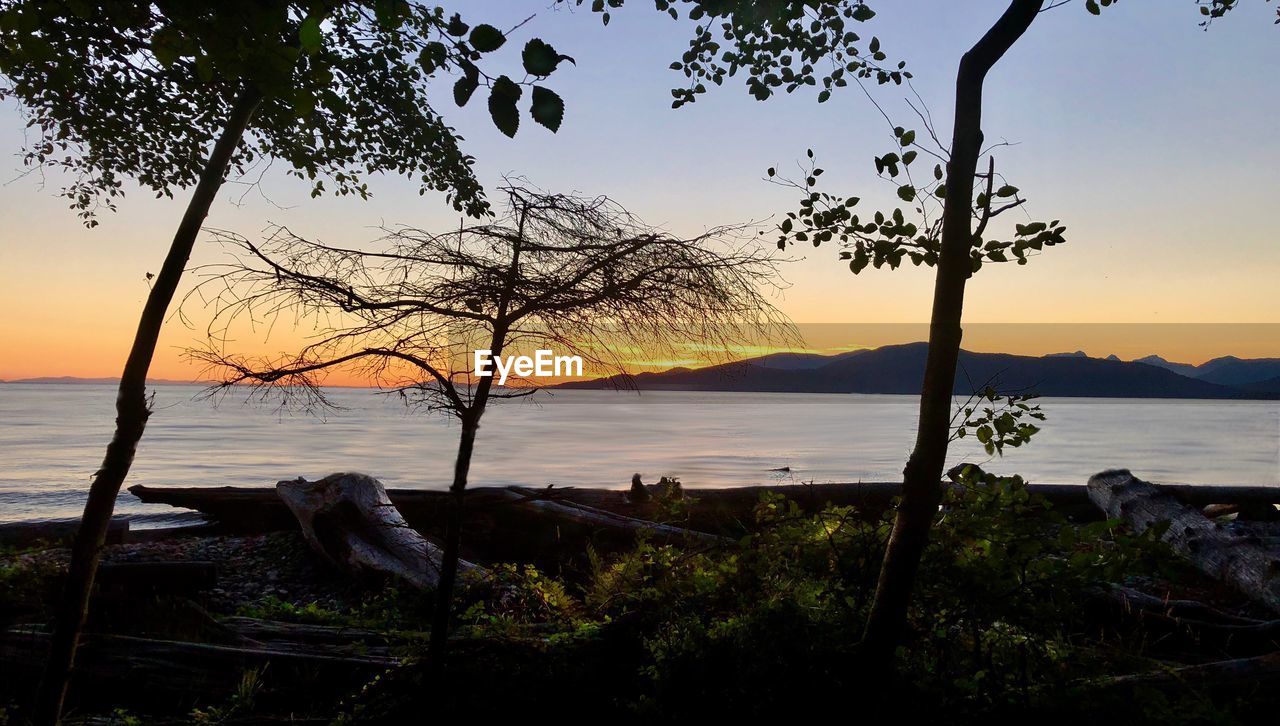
(100, 353)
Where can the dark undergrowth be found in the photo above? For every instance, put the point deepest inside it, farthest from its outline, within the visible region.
(1009, 620)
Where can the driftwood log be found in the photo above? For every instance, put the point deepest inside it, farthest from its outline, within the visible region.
(1233, 556)
(1178, 627)
(123, 671)
(1236, 678)
(567, 510)
(349, 520)
(727, 510)
(56, 531)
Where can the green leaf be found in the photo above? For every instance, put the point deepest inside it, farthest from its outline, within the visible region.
(486, 38)
(466, 86)
(907, 193)
(309, 35)
(862, 13)
(502, 105)
(1008, 190)
(540, 59)
(433, 56)
(165, 44)
(1092, 7)
(456, 27)
(859, 262)
(548, 108)
(204, 68)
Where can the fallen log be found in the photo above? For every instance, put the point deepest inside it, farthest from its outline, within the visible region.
(563, 509)
(270, 632)
(1193, 610)
(1238, 677)
(1179, 627)
(125, 671)
(721, 510)
(55, 531)
(258, 509)
(1218, 551)
(349, 520)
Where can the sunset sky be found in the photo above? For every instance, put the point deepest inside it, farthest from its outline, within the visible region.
(1151, 139)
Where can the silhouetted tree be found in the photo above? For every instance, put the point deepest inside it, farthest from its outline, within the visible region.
(174, 94)
(796, 45)
(576, 276)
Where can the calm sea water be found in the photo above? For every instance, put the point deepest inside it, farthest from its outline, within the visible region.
(52, 436)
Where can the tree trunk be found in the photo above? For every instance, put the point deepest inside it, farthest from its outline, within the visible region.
(921, 489)
(132, 411)
(466, 445)
(452, 543)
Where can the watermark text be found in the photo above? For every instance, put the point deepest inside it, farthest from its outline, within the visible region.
(542, 364)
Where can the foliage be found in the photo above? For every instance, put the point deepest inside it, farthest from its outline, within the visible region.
(887, 238)
(242, 700)
(515, 595)
(28, 586)
(387, 608)
(997, 420)
(129, 89)
(773, 619)
(1001, 587)
(274, 608)
(777, 45)
(1210, 10)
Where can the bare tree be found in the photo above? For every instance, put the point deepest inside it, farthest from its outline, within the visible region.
(577, 276)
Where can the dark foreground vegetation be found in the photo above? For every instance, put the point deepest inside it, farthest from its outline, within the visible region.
(1020, 612)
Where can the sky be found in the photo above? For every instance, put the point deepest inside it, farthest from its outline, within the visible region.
(1152, 139)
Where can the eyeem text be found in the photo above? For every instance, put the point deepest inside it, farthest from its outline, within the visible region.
(542, 364)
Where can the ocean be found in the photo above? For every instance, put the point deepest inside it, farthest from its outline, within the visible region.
(52, 438)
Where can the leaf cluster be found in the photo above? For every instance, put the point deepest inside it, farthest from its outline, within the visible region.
(128, 90)
(887, 238)
(776, 45)
(998, 420)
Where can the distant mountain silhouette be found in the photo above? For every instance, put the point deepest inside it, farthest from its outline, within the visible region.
(1183, 369)
(1225, 371)
(1269, 386)
(799, 361)
(1233, 371)
(899, 369)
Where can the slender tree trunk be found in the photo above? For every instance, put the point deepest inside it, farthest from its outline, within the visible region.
(922, 480)
(452, 543)
(132, 412)
(470, 424)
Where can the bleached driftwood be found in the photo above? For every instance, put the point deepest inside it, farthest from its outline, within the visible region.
(1217, 550)
(349, 519)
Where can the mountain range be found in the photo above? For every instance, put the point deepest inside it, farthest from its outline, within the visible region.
(899, 369)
